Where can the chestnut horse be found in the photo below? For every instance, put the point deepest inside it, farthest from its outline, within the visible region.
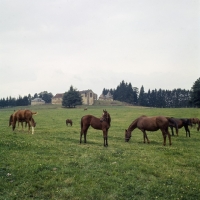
(196, 121)
(24, 116)
(102, 123)
(20, 121)
(68, 121)
(145, 123)
(181, 122)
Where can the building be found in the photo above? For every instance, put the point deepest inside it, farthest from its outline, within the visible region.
(37, 101)
(107, 97)
(88, 97)
(57, 99)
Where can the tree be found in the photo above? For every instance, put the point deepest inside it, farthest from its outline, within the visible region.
(195, 93)
(141, 99)
(46, 96)
(71, 98)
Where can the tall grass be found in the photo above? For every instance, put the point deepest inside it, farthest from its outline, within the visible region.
(51, 164)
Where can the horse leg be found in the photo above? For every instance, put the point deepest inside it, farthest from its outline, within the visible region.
(145, 136)
(164, 139)
(169, 137)
(172, 130)
(105, 137)
(83, 131)
(81, 136)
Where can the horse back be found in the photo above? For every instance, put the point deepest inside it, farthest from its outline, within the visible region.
(90, 120)
(23, 115)
(152, 123)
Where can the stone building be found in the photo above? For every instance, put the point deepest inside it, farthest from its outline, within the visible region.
(88, 97)
(57, 99)
(107, 97)
(37, 101)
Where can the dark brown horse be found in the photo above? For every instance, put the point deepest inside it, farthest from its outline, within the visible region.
(102, 123)
(68, 121)
(181, 122)
(145, 123)
(24, 116)
(196, 121)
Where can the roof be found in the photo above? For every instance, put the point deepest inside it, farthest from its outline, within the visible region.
(38, 100)
(59, 95)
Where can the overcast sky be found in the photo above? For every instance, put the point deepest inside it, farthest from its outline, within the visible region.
(49, 45)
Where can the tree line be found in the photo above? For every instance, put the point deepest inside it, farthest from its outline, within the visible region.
(176, 98)
(26, 100)
(124, 92)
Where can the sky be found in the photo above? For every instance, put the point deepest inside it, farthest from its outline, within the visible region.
(49, 45)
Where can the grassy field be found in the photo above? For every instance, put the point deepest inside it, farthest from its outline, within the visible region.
(51, 164)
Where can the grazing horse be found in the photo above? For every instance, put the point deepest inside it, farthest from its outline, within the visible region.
(145, 123)
(181, 122)
(25, 116)
(196, 121)
(102, 123)
(20, 121)
(68, 121)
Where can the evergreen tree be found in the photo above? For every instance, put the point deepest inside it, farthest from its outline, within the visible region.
(141, 99)
(46, 96)
(71, 98)
(195, 93)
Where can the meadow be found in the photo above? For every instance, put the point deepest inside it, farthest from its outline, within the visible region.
(51, 164)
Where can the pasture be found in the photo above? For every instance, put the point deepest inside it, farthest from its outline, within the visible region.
(51, 164)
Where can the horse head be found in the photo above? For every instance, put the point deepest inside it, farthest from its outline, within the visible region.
(105, 117)
(33, 123)
(127, 135)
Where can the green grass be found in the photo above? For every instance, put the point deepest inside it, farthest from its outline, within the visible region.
(51, 164)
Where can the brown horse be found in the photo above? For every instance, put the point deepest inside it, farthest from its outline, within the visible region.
(25, 116)
(181, 122)
(68, 121)
(196, 121)
(145, 123)
(20, 121)
(102, 123)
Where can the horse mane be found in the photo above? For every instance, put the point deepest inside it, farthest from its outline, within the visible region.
(109, 118)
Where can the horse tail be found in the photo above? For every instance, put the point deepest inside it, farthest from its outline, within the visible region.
(173, 123)
(198, 123)
(34, 113)
(81, 123)
(10, 120)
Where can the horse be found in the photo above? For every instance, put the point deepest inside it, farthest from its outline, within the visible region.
(181, 122)
(196, 121)
(24, 115)
(145, 123)
(68, 121)
(102, 123)
(20, 121)
(85, 108)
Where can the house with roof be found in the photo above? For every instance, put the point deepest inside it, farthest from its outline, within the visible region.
(88, 97)
(107, 97)
(57, 99)
(37, 101)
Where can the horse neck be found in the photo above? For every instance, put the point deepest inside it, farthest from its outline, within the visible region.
(133, 125)
(109, 119)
